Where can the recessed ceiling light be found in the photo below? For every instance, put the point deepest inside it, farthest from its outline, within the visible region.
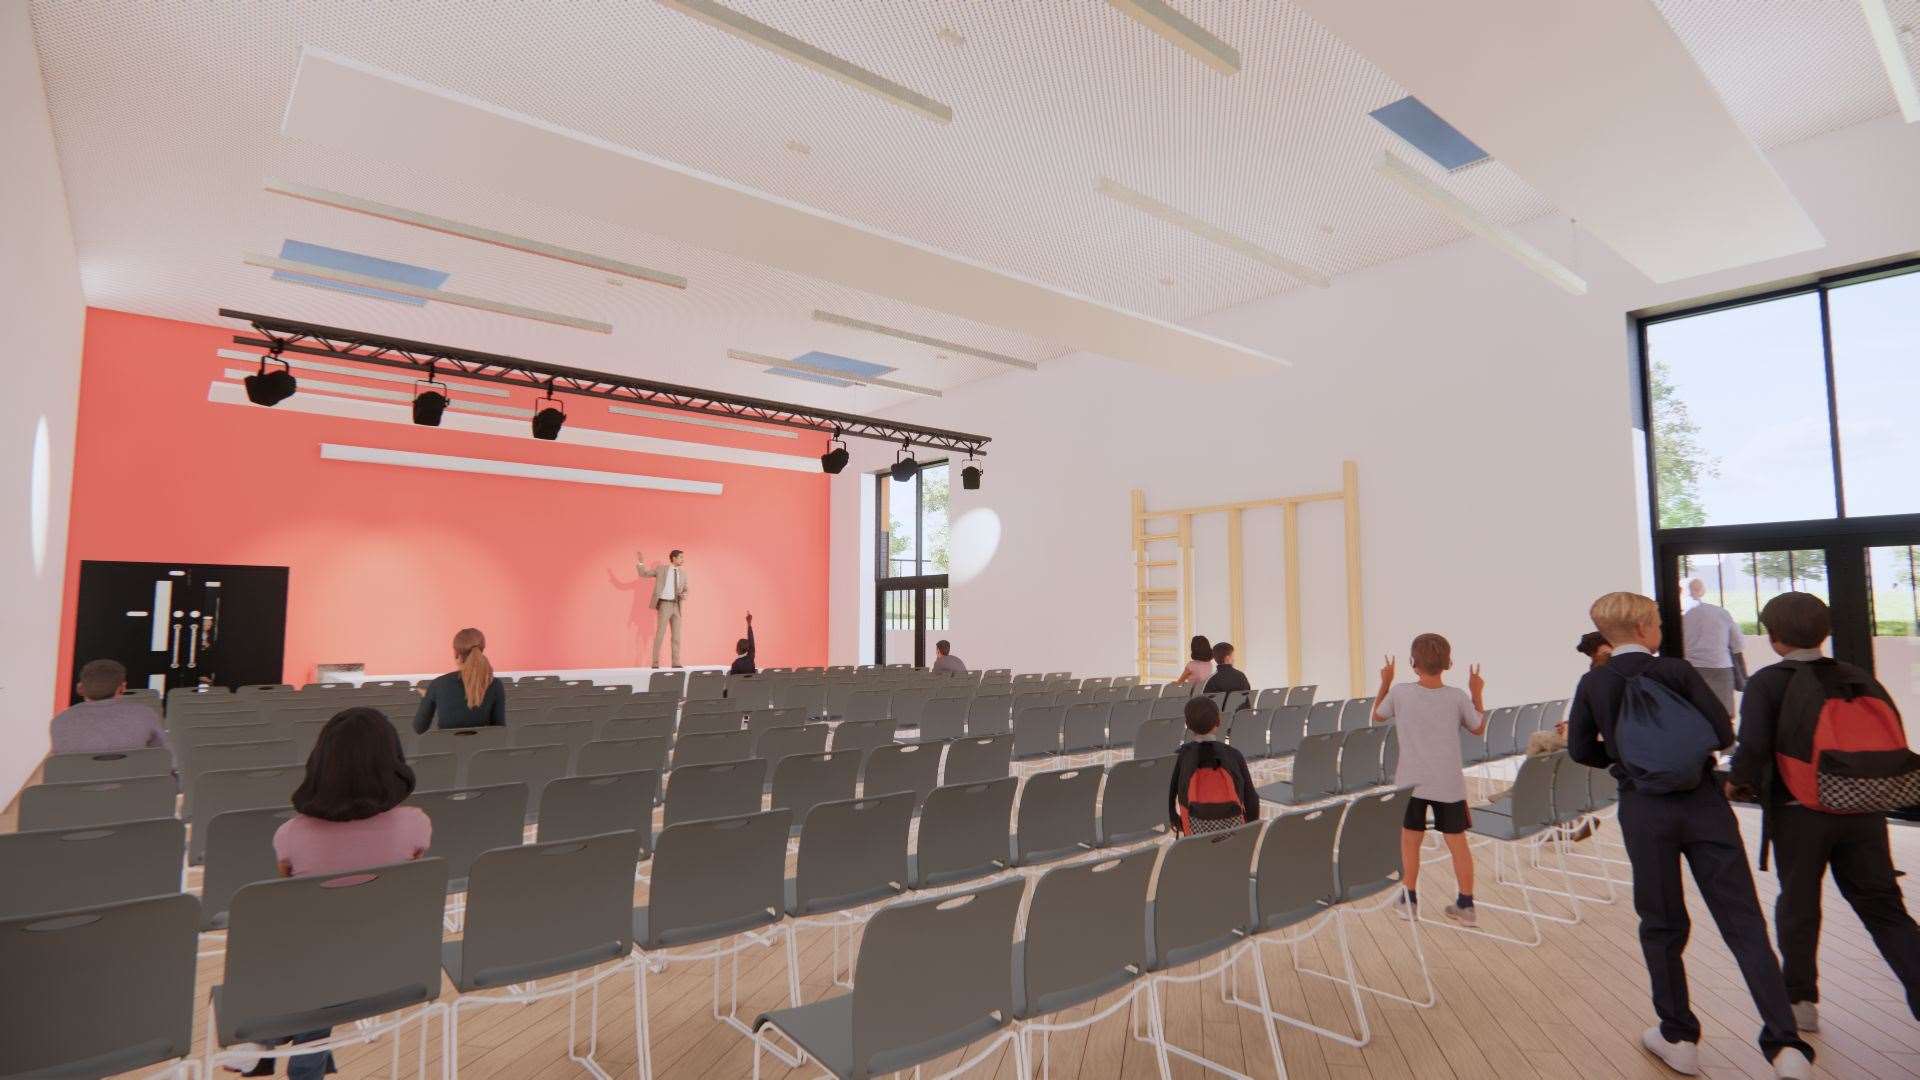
(755, 32)
(922, 339)
(1423, 129)
(1162, 19)
(1494, 233)
(827, 372)
(1208, 231)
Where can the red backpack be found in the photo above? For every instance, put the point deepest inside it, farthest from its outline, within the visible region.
(1211, 801)
(1840, 748)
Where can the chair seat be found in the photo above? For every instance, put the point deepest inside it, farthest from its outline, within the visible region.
(270, 1029)
(820, 905)
(1059, 1000)
(950, 877)
(1496, 820)
(824, 1029)
(1280, 791)
(1186, 954)
(697, 934)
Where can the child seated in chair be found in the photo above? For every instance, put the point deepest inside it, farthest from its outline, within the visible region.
(1428, 715)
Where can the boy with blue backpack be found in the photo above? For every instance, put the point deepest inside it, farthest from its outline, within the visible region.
(1653, 721)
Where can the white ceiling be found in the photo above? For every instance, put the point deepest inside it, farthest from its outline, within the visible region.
(167, 117)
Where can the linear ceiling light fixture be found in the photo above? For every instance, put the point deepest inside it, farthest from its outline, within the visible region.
(922, 339)
(758, 33)
(1473, 221)
(386, 212)
(334, 343)
(1209, 232)
(1893, 56)
(498, 307)
(1162, 19)
(828, 373)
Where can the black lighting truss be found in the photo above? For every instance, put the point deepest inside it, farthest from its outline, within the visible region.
(308, 339)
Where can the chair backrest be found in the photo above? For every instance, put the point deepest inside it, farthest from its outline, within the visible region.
(1085, 727)
(1133, 804)
(870, 705)
(432, 772)
(974, 758)
(107, 765)
(1200, 899)
(593, 715)
(239, 853)
(705, 749)
(1086, 931)
(572, 734)
(1473, 748)
(760, 720)
(1143, 691)
(913, 768)
(1316, 767)
(241, 755)
(907, 704)
(472, 820)
(1249, 731)
(750, 692)
(52, 969)
(1286, 726)
(706, 685)
(963, 832)
(717, 877)
(1571, 795)
(464, 742)
(1502, 738)
(61, 869)
(1302, 695)
(1170, 708)
(1360, 753)
(1530, 799)
(1368, 858)
(1124, 719)
(944, 718)
(1324, 717)
(534, 766)
(652, 711)
(777, 744)
(659, 726)
(1157, 738)
(998, 675)
(1602, 789)
(1525, 723)
(577, 806)
(810, 695)
(1180, 691)
(217, 792)
(668, 682)
(1356, 713)
(1293, 878)
(709, 721)
(1056, 815)
(720, 789)
(364, 943)
(547, 909)
(1036, 731)
(901, 1017)
(805, 780)
(852, 852)
(862, 734)
(990, 714)
(605, 756)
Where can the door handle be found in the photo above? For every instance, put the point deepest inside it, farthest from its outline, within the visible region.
(173, 659)
(193, 647)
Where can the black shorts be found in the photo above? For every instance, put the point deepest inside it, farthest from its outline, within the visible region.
(1448, 817)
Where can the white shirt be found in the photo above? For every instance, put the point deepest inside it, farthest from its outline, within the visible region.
(1711, 636)
(671, 590)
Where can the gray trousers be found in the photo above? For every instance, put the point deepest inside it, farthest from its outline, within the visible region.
(666, 615)
(1720, 681)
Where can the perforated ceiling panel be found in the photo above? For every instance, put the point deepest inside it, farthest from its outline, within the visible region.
(167, 120)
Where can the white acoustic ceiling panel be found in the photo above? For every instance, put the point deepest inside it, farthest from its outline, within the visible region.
(1600, 107)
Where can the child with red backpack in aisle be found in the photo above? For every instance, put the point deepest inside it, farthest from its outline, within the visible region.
(1823, 751)
(1212, 789)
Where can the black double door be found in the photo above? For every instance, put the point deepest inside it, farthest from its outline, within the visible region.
(182, 624)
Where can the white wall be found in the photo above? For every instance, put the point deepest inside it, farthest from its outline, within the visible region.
(1488, 411)
(40, 346)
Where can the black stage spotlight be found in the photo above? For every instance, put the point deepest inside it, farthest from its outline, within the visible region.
(271, 387)
(429, 404)
(904, 467)
(970, 476)
(548, 421)
(836, 456)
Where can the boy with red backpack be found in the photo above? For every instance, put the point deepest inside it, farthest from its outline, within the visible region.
(1823, 751)
(1212, 789)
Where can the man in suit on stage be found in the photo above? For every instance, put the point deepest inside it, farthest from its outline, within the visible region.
(669, 595)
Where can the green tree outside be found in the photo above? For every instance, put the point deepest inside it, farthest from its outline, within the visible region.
(1679, 461)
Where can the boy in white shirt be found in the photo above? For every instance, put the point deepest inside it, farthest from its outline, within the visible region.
(1427, 715)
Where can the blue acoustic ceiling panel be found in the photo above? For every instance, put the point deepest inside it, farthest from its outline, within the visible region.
(1423, 129)
(356, 263)
(831, 362)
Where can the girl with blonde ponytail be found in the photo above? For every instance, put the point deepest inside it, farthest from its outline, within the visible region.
(468, 696)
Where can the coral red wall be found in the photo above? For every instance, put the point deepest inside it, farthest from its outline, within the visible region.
(387, 562)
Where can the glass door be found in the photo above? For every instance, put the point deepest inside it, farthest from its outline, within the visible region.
(1893, 589)
(910, 564)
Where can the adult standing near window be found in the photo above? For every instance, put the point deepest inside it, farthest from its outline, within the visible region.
(669, 595)
(1712, 641)
(467, 696)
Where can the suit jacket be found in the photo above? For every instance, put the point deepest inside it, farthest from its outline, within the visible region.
(659, 573)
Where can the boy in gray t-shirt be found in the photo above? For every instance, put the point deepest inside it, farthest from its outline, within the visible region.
(1427, 716)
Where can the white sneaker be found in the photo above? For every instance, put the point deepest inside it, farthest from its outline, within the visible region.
(1463, 915)
(1793, 1064)
(1681, 1057)
(1806, 1017)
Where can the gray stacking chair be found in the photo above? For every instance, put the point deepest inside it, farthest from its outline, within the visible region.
(1143, 692)
(777, 744)
(962, 833)
(1316, 772)
(1133, 805)
(797, 694)
(871, 705)
(1286, 726)
(996, 676)
(705, 749)
(990, 714)
(717, 789)
(537, 912)
(434, 771)
(853, 852)
(907, 704)
(534, 766)
(1366, 865)
(225, 757)
(862, 734)
(1473, 748)
(1200, 910)
(1234, 701)
(1249, 732)
(1360, 755)
(706, 685)
(943, 718)
(761, 720)
(1029, 679)
(1390, 755)
(593, 714)
(974, 758)
(910, 767)
(187, 741)
(1293, 884)
(1157, 738)
(620, 728)
(1036, 732)
(107, 765)
(463, 742)
(1056, 815)
(1524, 724)
(1084, 730)
(469, 821)
(1301, 695)
(1085, 937)
(1169, 708)
(217, 792)
(1123, 721)
(577, 806)
(606, 756)
(1323, 717)
(895, 1018)
(1602, 789)
(1179, 691)
(239, 853)
(805, 780)
(1525, 809)
(1572, 798)
(100, 990)
(714, 882)
(61, 869)
(750, 692)
(1502, 733)
(1270, 698)
(839, 691)
(1096, 682)
(952, 686)
(1356, 713)
(709, 721)
(366, 945)
(668, 682)
(652, 712)
(572, 734)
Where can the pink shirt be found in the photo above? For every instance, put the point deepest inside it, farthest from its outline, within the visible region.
(313, 846)
(1199, 671)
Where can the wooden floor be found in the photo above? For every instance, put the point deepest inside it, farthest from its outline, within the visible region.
(1574, 1006)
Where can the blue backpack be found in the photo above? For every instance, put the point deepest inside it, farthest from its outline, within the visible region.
(1661, 741)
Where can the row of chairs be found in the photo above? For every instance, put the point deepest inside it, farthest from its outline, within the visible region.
(1336, 763)
(1507, 730)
